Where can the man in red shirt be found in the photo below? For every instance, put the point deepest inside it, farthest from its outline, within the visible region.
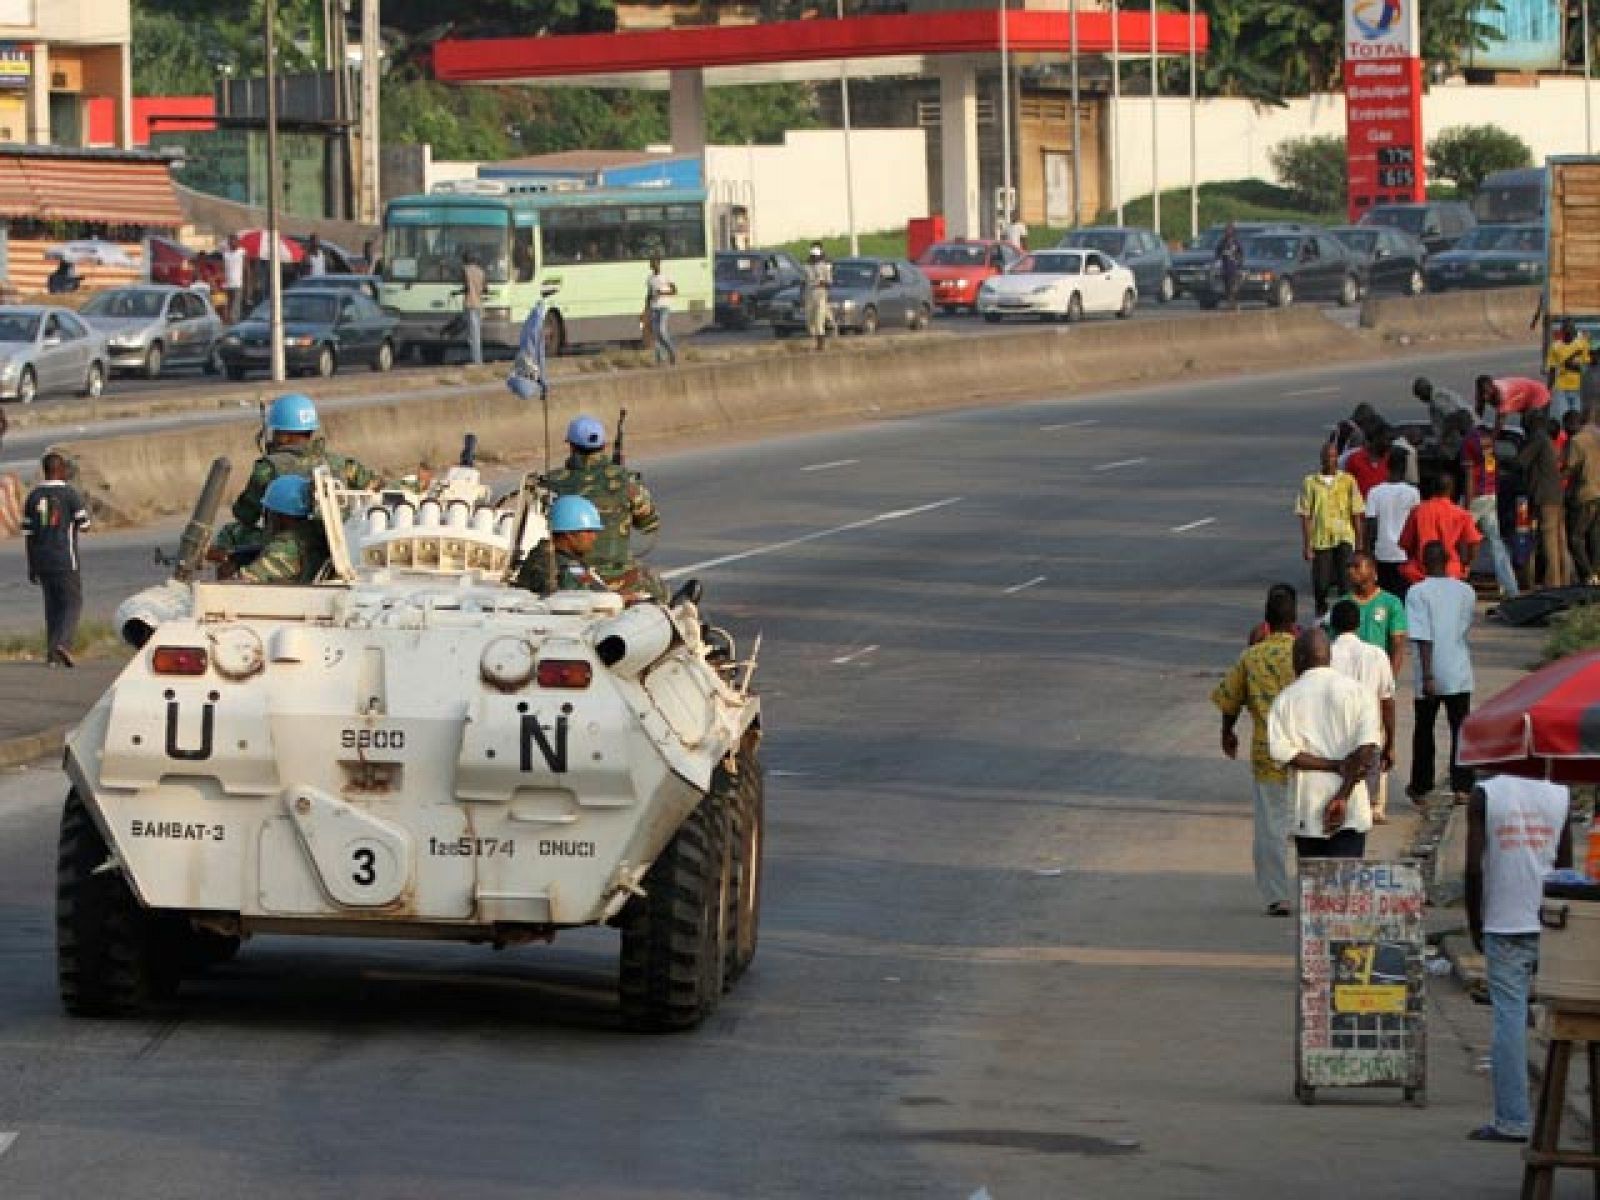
(1439, 519)
(1510, 395)
(1370, 464)
(1483, 502)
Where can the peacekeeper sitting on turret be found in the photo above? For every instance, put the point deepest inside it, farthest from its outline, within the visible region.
(296, 547)
(623, 502)
(562, 563)
(293, 445)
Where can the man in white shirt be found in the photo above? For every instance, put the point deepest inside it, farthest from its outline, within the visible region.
(659, 291)
(1370, 667)
(1517, 830)
(1439, 614)
(1388, 506)
(1326, 729)
(1016, 233)
(233, 277)
(316, 258)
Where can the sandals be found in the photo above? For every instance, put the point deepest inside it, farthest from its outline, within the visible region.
(1488, 1133)
(1277, 909)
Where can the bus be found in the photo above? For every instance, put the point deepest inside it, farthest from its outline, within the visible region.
(592, 246)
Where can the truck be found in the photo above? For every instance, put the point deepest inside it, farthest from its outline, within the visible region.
(1572, 245)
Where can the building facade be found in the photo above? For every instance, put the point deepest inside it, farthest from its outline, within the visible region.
(60, 60)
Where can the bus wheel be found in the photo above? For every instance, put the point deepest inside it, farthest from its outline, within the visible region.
(555, 335)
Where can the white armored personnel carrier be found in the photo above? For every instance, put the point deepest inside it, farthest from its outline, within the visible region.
(413, 748)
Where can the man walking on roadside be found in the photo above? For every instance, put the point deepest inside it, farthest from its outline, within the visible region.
(1439, 519)
(1369, 666)
(1440, 611)
(1325, 728)
(1517, 830)
(473, 283)
(1389, 504)
(52, 517)
(1383, 615)
(1230, 262)
(1541, 475)
(659, 291)
(233, 277)
(817, 279)
(1252, 684)
(1329, 507)
(1482, 475)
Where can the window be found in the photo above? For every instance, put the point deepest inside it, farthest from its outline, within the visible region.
(52, 326)
(615, 233)
(524, 263)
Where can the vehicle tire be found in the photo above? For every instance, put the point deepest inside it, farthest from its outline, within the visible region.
(555, 335)
(111, 957)
(675, 936)
(94, 382)
(923, 317)
(992, 318)
(385, 359)
(1417, 284)
(235, 373)
(1168, 291)
(1129, 302)
(326, 363)
(1349, 291)
(27, 386)
(1283, 294)
(747, 833)
(869, 322)
(1074, 309)
(198, 950)
(154, 360)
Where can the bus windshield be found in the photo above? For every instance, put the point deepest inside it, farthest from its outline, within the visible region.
(1509, 203)
(431, 244)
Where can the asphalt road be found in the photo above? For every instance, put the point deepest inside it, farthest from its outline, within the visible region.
(1010, 942)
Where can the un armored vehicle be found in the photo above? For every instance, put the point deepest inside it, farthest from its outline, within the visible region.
(413, 748)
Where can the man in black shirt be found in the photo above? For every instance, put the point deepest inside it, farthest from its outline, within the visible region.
(51, 518)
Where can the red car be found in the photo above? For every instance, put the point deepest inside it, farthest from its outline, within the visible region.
(957, 269)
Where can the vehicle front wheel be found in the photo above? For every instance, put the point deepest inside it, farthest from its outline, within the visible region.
(746, 831)
(1349, 291)
(154, 360)
(1075, 308)
(326, 363)
(923, 317)
(1129, 301)
(27, 386)
(1417, 284)
(94, 382)
(385, 359)
(1283, 294)
(869, 322)
(1168, 291)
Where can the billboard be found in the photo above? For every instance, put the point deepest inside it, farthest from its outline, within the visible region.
(1383, 104)
(1530, 36)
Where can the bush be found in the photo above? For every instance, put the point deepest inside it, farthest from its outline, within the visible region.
(1313, 168)
(1576, 631)
(1464, 154)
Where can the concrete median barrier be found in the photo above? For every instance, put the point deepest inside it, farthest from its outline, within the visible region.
(1488, 313)
(136, 478)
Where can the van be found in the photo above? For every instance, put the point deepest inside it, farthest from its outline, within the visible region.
(1437, 224)
(1511, 197)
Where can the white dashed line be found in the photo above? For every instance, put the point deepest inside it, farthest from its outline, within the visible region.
(1022, 587)
(853, 655)
(1318, 391)
(829, 466)
(774, 547)
(5, 1142)
(1126, 462)
(1203, 521)
(1070, 425)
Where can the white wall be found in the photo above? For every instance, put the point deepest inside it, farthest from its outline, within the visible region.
(1235, 135)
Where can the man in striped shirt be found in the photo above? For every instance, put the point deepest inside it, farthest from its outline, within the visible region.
(52, 517)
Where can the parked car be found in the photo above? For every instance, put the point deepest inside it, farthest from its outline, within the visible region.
(1140, 250)
(1490, 256)
(1060, 285)
(1280, 268)
(1437, 224)
(1391, 260)
(370, 286)
(746, 282)
(149, 328)
(45, 350)
(1192, 265)
(868, 294)
(957, 269)
(323, 329)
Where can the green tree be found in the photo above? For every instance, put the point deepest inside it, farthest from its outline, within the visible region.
(759, 113)
(1313, 169)
(1464, 154)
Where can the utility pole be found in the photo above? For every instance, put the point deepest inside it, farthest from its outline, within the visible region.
(1116, 108)
(1005, 116)
(274, 250)
(1588, 111)
(371, 206)
(849, 169)
(1194, 130)
(1155, 128)
(1077, 158)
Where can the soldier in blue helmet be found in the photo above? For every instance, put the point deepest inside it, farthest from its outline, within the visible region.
(296, 548)
(562, 565)
(622, 500)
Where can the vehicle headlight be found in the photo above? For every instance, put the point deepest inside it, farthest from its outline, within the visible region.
(987, 289)
(8, 368)
(231, 339)
(1527, 266)
(300, 342)
(847, 305)
(126, 342)
(961, 283)
(1259, 276)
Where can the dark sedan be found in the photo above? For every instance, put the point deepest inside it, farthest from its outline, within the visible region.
(323, 329)
(746, 283)
(1192, 265)
(1280, 268)
(1391, 260)
(867, 294)
(1490, 256)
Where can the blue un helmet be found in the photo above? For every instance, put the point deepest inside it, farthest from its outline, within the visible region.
(292, 413)
(289, 496)
(574, 514)
(586, 433)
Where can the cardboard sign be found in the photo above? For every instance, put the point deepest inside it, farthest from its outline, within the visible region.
(1386, 161)
(1359, 1014)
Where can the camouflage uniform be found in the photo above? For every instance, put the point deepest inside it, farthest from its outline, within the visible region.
(291, 555)
(624, 505)
(297, 460)
(573, 574)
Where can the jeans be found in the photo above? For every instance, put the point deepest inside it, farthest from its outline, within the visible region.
(475, 335)
(1562, 401)
(658, 325)
(1274, 819)
(1512, 959)
(63, 604)
(1426, 711)
(1327, 573)
(1486, 514)
(1347, 843)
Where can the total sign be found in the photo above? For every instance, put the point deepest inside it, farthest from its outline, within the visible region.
(1383, 104)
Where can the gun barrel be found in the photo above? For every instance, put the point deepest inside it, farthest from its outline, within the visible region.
(469, 451)
(197, 533)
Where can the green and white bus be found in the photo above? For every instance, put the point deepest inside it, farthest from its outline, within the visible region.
(593, 246)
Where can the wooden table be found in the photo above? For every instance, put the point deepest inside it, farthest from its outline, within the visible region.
(1565, 1027)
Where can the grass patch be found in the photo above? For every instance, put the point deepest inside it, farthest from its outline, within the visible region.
(1577, 630)
(1229, 200)
(96, 639)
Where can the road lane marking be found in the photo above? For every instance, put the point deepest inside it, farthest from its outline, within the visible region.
(1070, 425)
(829, 466)
(1126, 462)
(1316, 391)
(851, 945)
(5, 1142)
(853, 655)
(1022, 587)
(789, 543)
(1203, 521)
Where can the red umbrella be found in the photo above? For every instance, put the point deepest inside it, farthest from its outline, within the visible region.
(257, 243)
(1546, 726)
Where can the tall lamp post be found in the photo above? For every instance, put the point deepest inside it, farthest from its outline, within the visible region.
(1077, 158)
(1155, 129)
(1116, 108)
(1194, 137)
(1005, 118)
(274, 255)
(1588, 111)
(849, 170)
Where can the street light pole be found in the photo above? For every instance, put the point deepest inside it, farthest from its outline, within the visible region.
(849, 170)
(274, 257)
(1155, 129)
(1005, 118)
(1194, 135)
(1588, 111)
(1116, 108)
(1077, 157)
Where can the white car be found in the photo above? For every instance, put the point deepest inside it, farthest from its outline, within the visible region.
(1059, 285)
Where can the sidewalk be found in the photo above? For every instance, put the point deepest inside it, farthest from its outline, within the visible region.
(40, 704)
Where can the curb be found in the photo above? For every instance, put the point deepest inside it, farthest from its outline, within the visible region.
(18, 751)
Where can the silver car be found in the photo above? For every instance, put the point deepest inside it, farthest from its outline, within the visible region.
(152, 327)
(44, 350)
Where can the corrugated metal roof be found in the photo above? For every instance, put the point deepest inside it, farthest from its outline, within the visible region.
(110, 190)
